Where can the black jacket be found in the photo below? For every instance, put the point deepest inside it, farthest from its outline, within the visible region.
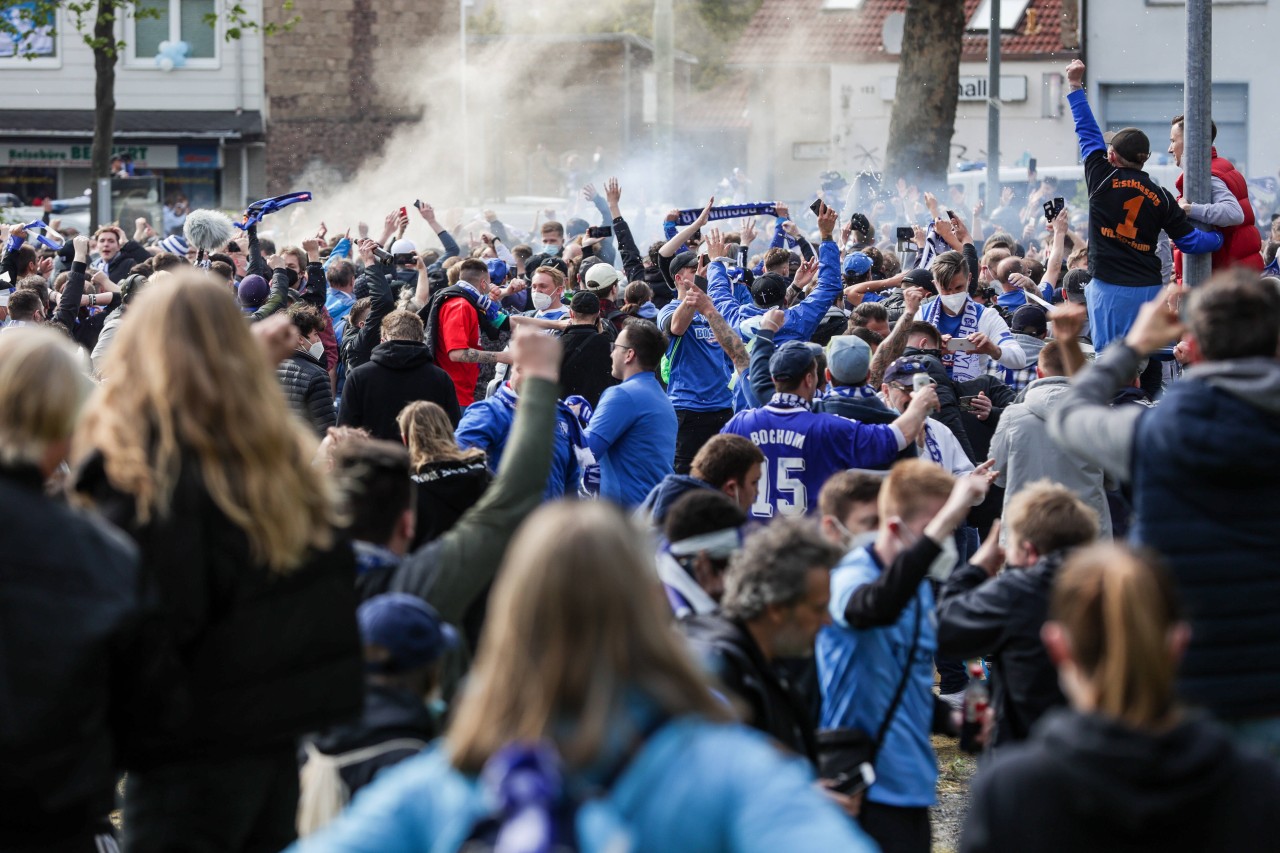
(1000, 619)
(732, 655)
(374, 283)
(446, 490)
(586, 367)
(130, 255)
(306, 385)
(81, 670)
(398, 373)
(1085, 782)
(265, 656)
(390, 714)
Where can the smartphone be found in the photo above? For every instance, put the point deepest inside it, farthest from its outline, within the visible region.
(417, 204)
(961, 345)
(906, 233)
(1053, 208)
(1031, 167)
(404, 212)
(816, 207)
(600, 231)
(854, 783)
(966, 403)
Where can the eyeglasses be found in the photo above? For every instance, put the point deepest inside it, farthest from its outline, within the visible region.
(614, 346)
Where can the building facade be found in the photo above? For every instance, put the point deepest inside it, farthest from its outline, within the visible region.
(192, 117)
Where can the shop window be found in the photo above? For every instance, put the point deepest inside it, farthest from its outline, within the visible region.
(158, 21)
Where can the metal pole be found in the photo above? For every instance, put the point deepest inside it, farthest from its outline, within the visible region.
(664, 67)
(993, 108)
(1196, 185)
(462, 87)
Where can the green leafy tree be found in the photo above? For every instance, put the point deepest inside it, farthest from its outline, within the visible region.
(95, 22)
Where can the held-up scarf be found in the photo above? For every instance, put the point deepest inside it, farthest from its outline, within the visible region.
(45, 235)
(729, 211)
(959, 365)
(253, 215)
(491, 310)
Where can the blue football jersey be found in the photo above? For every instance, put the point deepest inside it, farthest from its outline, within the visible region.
(802, 449)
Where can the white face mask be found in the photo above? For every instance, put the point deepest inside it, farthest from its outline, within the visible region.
(955, 302)
(541, 301)
(316, 350)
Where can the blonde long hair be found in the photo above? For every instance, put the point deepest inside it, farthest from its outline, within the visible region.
(187, 379)
(1118, 609)
(426, 431)
(41, 390)
(575, 621)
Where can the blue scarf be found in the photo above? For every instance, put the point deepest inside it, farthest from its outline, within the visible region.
(861, 392)
(788, 401)
(935, 452)
(492, 311)
(968, 326)
(729, 211)
(372, 558)
(44, 235)
(253, 215)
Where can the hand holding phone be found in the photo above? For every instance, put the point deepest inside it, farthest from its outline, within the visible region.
(961, 345)
(1053, 208)
(598, 231)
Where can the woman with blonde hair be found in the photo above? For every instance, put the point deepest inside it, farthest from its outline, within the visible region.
(448, 481)
(1126, 768)
(586, 720)
(191, 450)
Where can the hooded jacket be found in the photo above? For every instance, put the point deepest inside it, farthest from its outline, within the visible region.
(1024, 452)
(1000, 619)
(1022, 377)
(1205, 468)
(1086, 782)
(398, 373)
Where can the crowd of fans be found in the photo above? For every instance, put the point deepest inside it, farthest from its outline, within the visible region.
(553, 542)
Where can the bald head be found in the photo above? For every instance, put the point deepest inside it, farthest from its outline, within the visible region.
(1006, 268)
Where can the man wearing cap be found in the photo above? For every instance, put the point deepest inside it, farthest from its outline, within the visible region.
(602, 280)
(803, 448)
(698, 367)
(848, 363)
(935, 442)
(1127, 212)
(1030, 328)
(587, 368)
(404, 641)
(1228, 209)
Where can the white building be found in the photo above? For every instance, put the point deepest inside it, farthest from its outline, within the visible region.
(199, 126)
(1136, 57)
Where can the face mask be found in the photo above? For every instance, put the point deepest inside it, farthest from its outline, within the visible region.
(316, 350)
(552, 250)
(954, 302)
(541, 301)
(852, 541)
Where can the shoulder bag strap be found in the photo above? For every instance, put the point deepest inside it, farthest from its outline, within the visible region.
(902, 687)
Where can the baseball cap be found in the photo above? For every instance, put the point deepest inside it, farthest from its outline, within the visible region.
(1074, 283)
(902, 371)
(585, 303)
(253, 291)
(497, 270)
(791, 360)
(550, 261)
(682, 260)
(601, 277)
(848, 359)
(406, 628)
(919, 277)
(857, 263)
(1130, 143)
(1029, 319)
(769, 290)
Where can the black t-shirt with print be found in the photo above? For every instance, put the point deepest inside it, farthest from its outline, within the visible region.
(1127, 212)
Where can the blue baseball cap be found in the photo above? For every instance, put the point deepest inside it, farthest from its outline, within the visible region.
(497, 270)
(903, 371)
(407, 632)
(848, 359)
(857, 263)
(792, 360)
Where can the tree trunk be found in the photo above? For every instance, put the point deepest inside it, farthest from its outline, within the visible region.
(924, 105)
(104, 96)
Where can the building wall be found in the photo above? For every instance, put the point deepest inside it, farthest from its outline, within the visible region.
(787, 108)
(67, 81)
(1144, 42)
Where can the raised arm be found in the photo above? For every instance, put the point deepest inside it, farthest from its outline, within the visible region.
(632, 260)
(891, 348)
(672, 246)
(1087, 130)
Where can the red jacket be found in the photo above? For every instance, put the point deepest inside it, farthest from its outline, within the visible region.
(1241, 244)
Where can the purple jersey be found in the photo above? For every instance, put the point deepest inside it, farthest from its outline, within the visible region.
(802, 449)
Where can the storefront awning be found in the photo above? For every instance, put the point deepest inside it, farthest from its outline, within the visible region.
(133, 124)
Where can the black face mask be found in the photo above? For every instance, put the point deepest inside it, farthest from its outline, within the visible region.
(293, 278)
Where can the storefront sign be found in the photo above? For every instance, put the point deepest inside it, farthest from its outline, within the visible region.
(43, 155)
(1012, 88)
